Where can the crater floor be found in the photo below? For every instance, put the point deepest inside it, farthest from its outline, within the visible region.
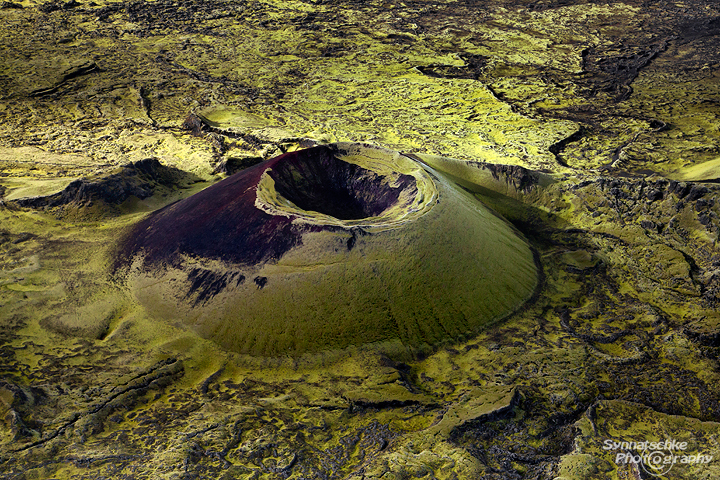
(591, 126)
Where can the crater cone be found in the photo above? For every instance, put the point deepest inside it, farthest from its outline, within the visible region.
(326, 248)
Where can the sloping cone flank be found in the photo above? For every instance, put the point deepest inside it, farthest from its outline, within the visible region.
(326, 248)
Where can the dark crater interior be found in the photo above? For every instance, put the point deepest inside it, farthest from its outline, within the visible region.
(325, 184)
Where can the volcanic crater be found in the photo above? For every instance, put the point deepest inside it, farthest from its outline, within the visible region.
(348, 245)
(334, 187)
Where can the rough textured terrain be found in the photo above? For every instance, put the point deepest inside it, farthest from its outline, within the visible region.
(592, 126)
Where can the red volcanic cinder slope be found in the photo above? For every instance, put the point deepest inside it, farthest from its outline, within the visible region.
(220, 222)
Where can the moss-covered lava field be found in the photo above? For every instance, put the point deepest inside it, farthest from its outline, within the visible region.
(314, 239)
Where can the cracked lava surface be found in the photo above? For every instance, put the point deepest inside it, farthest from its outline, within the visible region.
(585, 132)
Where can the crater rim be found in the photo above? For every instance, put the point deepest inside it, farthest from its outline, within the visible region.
(396, 174)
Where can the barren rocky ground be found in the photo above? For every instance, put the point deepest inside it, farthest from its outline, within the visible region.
(112, 110)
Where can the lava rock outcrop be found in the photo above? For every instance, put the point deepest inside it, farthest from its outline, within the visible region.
(139, 179)
(326, 248)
